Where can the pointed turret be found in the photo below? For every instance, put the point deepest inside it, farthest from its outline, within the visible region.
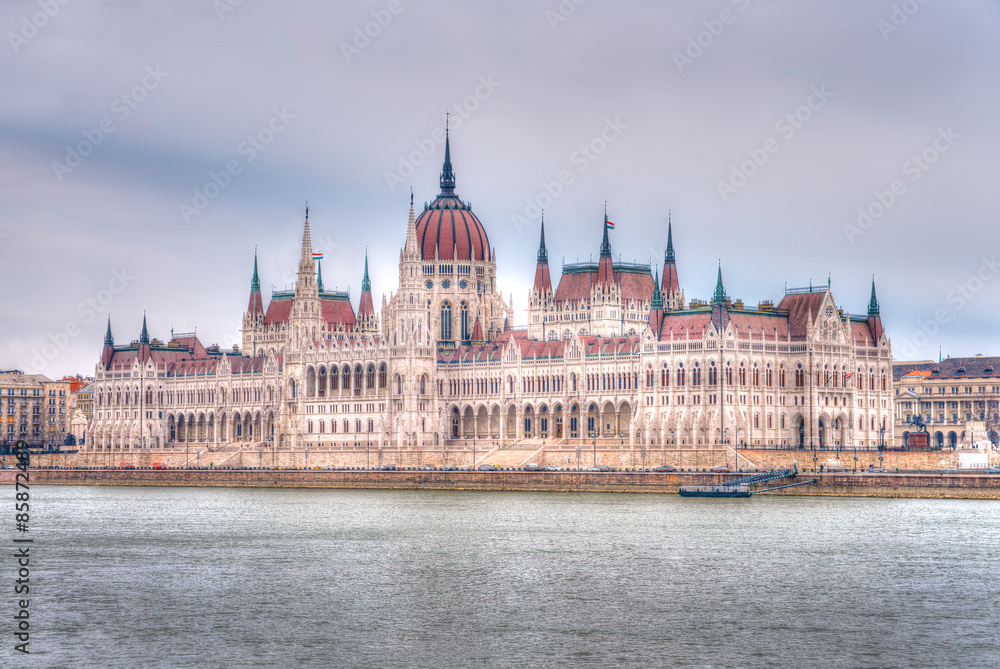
(447, 174)
(605, 268)
(671, 289)
(256, 305)
(720, 312)
(874, 318)
(656, 308)
(543, 283)
(477, 332)
(411, 249)
(305, 284)
(144, 349)
(109, 347)
(366, 309)
(319, 276)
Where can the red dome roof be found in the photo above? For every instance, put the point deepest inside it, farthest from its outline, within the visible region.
(449, 226)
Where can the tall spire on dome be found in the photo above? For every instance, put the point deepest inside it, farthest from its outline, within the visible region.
(873, 309)
(447, 174)
(109, 339)
(144, 335)
(720, 291)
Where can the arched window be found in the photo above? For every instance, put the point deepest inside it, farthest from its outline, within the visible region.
(347, 379)
(781, 378)
(446, 321)
(357, 425)
(713, 375)
(649, 377)
(423, 384)
(347, 426)
(465, 321)
(743, 375)
(370, 377)
(357, 377)
(680, 376)
(381, 376)
(665, 377)
(309, 426)
(696, 375)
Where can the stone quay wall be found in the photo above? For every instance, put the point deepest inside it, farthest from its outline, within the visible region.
(927, 485)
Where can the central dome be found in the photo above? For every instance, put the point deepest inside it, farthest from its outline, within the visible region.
(447, 225)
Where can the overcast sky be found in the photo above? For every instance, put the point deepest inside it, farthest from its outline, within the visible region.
(115, 113)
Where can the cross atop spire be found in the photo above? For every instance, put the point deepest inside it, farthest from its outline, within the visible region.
(543, 254)
(720, 291)
(447, 174)
(144, 336)
(873, 309)
(109, 339)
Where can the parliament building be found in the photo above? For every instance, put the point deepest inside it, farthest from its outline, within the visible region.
(613, 354)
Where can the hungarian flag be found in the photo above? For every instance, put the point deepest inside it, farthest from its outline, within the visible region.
(609, 224)
(317, 256)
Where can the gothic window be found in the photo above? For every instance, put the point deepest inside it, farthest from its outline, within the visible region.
(680, 376)
(357, 377)
(357, 425)
(713, 376)
(423, 384)
(370, 377)
(446, 321)
(696, 375)
(347, 379)
(665, 377)
(465, 321)
(309, 427)
(381, 376)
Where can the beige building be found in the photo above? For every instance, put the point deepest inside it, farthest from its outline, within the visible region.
(612, 352)
(958, 400)
(34, 408)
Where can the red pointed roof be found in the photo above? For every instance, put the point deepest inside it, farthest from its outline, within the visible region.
(543, 283)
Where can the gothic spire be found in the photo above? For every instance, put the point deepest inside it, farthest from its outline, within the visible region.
(657, 301)
(720, 292)
(144, 336)
(306, 259)
(605, 244)
(543, 254)
(668, 257)
(255, 281)
(109, 339)
(873, 309)
(319, 276)
(366, 284)
(447, 174)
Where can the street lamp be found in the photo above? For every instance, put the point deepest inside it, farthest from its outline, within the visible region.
(578, 457)
(595, 451)
(380, 457)
(643, 451)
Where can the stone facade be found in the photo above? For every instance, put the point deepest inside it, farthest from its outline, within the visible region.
(33, 408)
(612, 355)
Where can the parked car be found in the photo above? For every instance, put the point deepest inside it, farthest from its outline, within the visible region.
(425, 468)
(388, 468)
(721, 469)
(126, 465)
(532, 467)
(159, 465)
(993, 470)
(664, 468)
(553, 468)
(486, 468)
(450, 468)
